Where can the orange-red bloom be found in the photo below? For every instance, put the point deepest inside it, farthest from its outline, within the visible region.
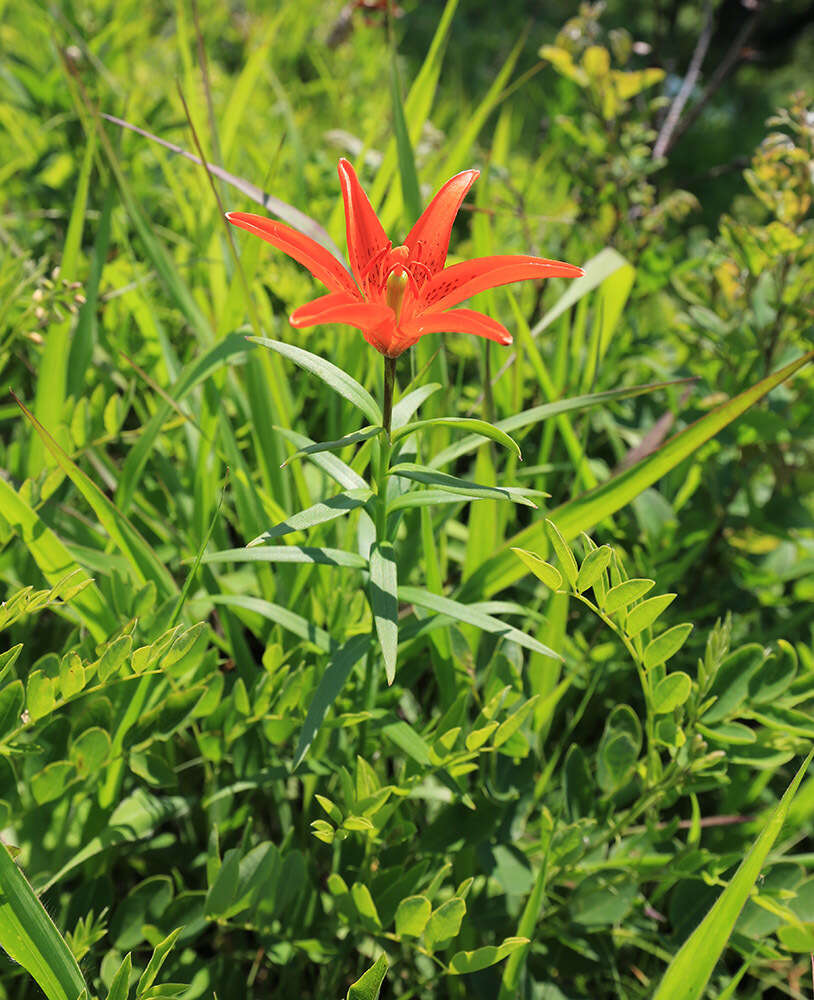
(397, 294)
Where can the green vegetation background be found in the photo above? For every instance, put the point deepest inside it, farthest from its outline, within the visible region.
(177, 777)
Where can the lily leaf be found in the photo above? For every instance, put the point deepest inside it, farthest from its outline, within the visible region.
(334, 377)
(480, 427)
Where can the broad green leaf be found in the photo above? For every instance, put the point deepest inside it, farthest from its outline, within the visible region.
(334, 377)
(321, 512)
(473, 961)
(472, 616)
(688, 973)
(408, 404)
(384, 602)
(729, 733)
(563, 551)
(331, 683)
(624, 594)
(412, 916)
(543, 570)
(367, 987)
(593, 566)
(644, 614)
(479, 427)
(731, 685)
(615, 761)
(314, 449)
(51, 781)
(222, 892)
(31, 938)
(584, 512)
(671, 691)
(288, 554)
(444, 923)
(364, 904)
(461, 487)
(660, 649)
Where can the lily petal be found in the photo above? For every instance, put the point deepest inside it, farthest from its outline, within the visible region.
(459, 282)
(310, 311)
(428, 240)
(319, 261)
(366, 238)
(363, 315)
(457, 321)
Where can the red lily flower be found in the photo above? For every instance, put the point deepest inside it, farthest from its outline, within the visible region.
(397, 294)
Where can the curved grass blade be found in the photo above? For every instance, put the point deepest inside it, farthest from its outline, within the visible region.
(688, 973)
(288, 213)
(335, 378)
(479, 427)
(288, 554)
(583, 512)
(331, 683)
(543, 412)
(321, 512)
(472, 616)
(143, 562)
(31, 938)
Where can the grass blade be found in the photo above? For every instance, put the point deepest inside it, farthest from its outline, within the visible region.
(384, 601)
(330, 685)
(690, 969)
(31, 938)
(582, 513)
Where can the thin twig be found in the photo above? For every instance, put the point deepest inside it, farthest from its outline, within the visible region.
(717, 78)
(674, 114)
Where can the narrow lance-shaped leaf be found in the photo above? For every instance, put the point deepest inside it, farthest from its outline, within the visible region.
(321, 512)
(288, 554)
(384, 601)
(314, 449)
(463, 487)
(334, 377)
(480, 427)
(472, 616)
